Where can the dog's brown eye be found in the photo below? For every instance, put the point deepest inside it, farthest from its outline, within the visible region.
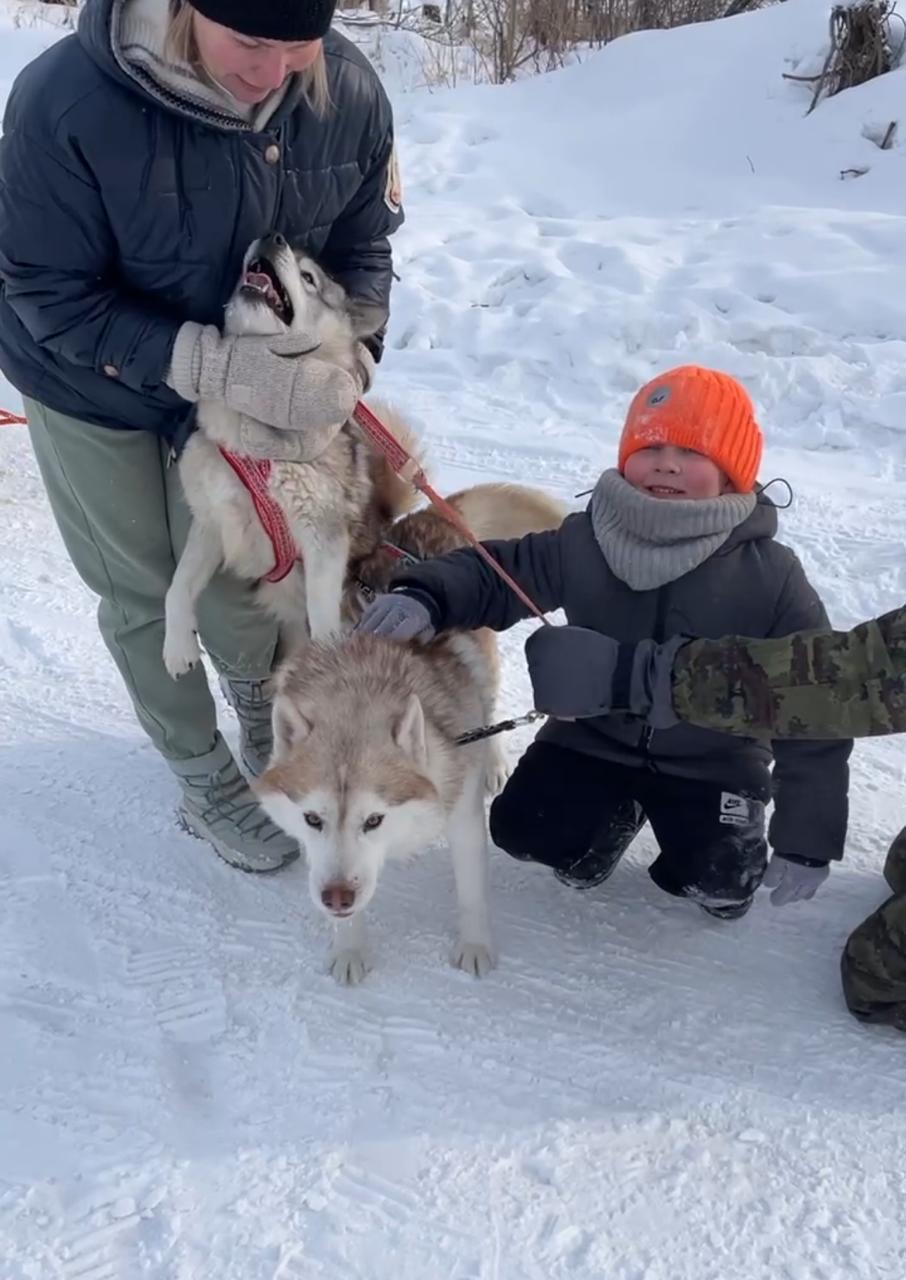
(308, 278)
(314, 821)
(372, 822)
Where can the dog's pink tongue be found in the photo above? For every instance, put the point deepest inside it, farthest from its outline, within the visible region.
(258, 280)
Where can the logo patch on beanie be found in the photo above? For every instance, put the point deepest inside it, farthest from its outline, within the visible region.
(659, 396)
(393, 188)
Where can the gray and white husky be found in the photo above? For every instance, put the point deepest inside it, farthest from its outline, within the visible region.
(365, 768)
(366, 764)
(335, 505)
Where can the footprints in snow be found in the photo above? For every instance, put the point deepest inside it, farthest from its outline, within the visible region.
(99, 1241)
(442, 150)
(119, 1230)
(187, 998)
(181, 982)
(22, 648)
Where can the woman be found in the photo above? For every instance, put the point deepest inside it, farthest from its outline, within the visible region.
(139, 159)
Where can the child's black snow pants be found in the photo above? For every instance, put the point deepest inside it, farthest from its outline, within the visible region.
(579, 814)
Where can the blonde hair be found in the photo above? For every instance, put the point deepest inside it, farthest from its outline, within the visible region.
(181, 46)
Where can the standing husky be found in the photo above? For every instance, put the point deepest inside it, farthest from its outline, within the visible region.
(335, 504)
(366, 763)
(365, 768)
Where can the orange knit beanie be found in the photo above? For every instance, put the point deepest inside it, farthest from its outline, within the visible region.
(701, 409)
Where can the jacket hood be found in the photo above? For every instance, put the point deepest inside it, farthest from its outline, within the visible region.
(762, 523)
(98, 23)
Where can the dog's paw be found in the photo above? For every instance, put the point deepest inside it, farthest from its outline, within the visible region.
(498, 770)
(474, 958)
(348, 967)
(496, 777)
(181, 653)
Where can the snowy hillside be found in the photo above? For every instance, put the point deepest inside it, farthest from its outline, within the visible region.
(636, 1093)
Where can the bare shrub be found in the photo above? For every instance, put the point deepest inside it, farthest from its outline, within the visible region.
(53, 13)
(861, 48)
(514, 34)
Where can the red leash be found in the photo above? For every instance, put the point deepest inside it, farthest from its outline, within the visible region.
(406, 466)
(255, 477)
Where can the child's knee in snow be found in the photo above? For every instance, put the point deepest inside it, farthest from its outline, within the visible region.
(509, 829)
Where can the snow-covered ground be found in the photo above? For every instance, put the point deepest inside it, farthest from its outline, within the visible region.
(637, 1093)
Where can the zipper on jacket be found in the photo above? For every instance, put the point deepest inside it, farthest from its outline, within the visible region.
(660, 617)
(279, 139)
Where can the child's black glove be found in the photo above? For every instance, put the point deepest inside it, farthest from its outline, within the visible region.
(577, 673)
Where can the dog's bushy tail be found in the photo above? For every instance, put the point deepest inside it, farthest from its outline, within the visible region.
(500, 510)
(393, 496)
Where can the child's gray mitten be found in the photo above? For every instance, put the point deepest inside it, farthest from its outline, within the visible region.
(398, 616)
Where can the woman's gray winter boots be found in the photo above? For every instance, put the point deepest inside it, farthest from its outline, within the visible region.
(251, 700)
(219, 806)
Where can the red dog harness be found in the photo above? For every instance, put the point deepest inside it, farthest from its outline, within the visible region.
(255, 474)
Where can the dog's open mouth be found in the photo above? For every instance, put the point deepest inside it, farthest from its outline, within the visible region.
(262, 280)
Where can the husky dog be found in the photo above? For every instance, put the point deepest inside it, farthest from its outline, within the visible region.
(366, 762)
(492, 511)
(335, 505)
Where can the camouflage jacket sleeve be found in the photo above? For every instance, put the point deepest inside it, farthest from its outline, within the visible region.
(814, 684)
(811, 776)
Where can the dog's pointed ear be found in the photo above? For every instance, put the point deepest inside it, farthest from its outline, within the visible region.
(409, 734)
(290, 727)
(367, 317)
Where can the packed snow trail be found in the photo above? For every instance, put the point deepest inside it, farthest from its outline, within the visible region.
(637, 1093)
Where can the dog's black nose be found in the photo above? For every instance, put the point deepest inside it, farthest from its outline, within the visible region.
(338, 897)
(276, 239)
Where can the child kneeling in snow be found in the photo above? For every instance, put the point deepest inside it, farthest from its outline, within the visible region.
(678, 540)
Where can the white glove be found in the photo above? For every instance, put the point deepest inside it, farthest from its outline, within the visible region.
(793, 881)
